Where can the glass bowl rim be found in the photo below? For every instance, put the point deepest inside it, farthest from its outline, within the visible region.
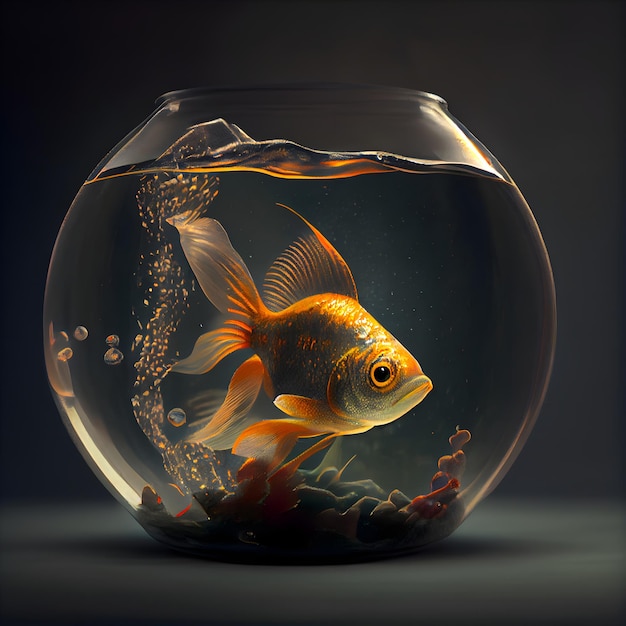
(361, 90)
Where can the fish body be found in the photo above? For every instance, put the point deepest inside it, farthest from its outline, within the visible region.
(308, 337)
(325, 348)
(326, 363)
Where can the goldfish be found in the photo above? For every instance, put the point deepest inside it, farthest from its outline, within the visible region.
(323, 360)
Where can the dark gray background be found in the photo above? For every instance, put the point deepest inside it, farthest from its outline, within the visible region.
(540, 83)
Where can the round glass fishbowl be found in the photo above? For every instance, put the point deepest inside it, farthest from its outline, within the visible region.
(306, 322)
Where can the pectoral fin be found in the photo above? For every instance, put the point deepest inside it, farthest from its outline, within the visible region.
(320, 417)
(306, 408)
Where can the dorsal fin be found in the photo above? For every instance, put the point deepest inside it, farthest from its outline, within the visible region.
(309, 266)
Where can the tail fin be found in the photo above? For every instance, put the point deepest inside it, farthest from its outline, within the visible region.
(217, 266)
(233, 417)
(226, 282)
(211, 348)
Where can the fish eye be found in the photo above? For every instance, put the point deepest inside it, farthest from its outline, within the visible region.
(382, 373)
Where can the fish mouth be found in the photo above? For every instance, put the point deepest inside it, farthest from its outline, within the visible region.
(423, 386)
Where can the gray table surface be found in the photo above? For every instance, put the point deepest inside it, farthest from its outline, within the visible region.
(511, 562)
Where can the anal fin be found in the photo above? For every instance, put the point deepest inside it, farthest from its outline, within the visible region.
(269, 442)
(286, 471)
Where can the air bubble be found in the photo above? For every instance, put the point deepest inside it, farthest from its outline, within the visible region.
(81, 333)
(113, 356)
(177, 417)
(65, 355)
